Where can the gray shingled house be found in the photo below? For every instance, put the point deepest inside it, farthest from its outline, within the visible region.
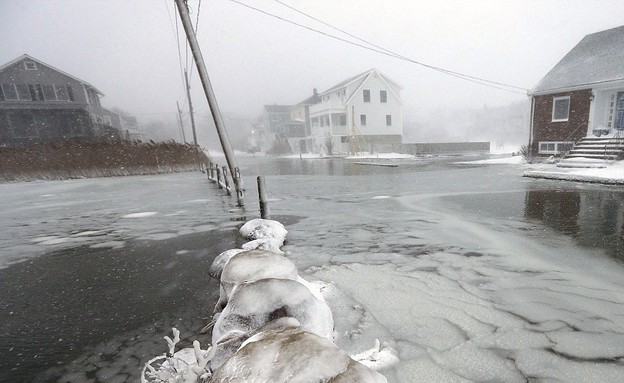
(578, 107)
(39, 103)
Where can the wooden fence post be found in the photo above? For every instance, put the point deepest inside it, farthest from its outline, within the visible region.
(265, 212)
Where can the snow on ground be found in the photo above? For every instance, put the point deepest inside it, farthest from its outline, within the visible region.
(612, 173)
(506, 160)
(386, 156)
(608, 173)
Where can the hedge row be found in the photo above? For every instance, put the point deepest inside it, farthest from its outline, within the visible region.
(74, 159)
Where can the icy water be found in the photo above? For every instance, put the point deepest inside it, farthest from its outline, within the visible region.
(471, 273)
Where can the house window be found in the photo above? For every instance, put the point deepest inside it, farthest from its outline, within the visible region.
(363, 119)
(23, 93)
(9, 92)
(343, 120)
(30, 65)
(561, 108)
(383, 96)
(48, 92)
(366, 93)
(61, 92)
(554, 147)
(388, 120)
(39, 91)
(70, 93)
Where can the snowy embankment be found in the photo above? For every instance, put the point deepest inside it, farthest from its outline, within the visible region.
(267, 315)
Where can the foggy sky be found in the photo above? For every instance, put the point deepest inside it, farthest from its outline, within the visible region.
(127, 49)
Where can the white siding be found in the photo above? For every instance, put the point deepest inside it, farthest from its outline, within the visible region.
(375, 110)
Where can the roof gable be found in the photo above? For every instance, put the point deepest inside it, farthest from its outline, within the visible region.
(360, 77)
(384, 79)
(39, 62)
(597, 58)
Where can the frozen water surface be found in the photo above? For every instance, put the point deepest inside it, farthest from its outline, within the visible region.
(451, 273)
(471, 273)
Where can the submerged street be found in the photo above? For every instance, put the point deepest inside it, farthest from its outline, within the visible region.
(469, 272)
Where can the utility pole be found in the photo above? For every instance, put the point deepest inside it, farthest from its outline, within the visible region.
(188, 96)
(180, 123)
(212, 100)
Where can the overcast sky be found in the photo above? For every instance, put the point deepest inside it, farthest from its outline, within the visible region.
(128, 49)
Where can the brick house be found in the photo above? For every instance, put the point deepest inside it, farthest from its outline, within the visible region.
(582, 96)
(39, 103)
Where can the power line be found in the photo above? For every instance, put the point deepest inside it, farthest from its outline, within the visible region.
(384, 51)
(397, 54)
(177, 37)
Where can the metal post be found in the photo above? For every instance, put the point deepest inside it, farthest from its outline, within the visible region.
(219, 177)
(265, 212)
(227, 183)
(212, 101)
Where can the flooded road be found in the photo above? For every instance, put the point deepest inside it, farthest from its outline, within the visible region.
(101, 268)
(591, 215)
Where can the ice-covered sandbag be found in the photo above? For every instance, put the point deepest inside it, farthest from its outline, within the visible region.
(292, 355)
(252, 265)
(268, 244)
(254, 304)
(219, 262)
(263, 228)
(225, 347)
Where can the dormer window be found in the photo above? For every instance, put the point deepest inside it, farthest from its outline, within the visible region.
(30, 65)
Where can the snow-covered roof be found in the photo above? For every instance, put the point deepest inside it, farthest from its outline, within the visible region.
(596, 59)
(28, 57)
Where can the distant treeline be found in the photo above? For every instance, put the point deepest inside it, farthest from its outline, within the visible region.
(77, 159)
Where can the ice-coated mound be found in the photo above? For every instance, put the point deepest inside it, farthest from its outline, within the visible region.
(251, 265)
(263, 228)
(268, 244)
(293, 355)
(219, 262)
(254, 304)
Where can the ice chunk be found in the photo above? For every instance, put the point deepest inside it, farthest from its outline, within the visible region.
(140, 215)
(477, 364)
(588, 345)
(546, 366)
(377, 358)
